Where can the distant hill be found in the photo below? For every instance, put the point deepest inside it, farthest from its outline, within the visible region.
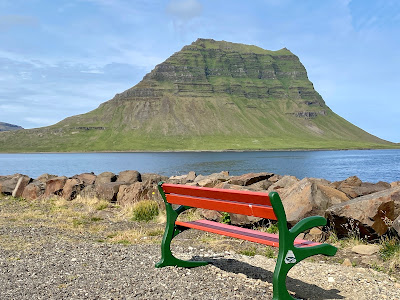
(211, 95)
(9, 127)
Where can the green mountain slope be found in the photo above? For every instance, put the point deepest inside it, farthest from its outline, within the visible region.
(211, 95)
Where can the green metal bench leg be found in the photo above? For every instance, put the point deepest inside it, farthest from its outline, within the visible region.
(289, 255)
(167, 258)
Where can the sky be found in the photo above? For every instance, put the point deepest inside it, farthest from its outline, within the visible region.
(62, 58)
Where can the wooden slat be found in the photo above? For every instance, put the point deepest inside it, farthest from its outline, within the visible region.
(255, 210)
(256, 236)
(223, 194)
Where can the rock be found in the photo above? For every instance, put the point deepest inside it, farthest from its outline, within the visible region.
(369, 216)
(152, 178)
(396, 225)
(259, 186)
(250, 178)
(130, 194)
(54, 186)
(365, 249)
(227, 186)
(395, 184)
(212, 180)
(191, 176)
(183, 179)
(347, 262)
(9, 182)
(105, 177)
(34, 190)
(211, 215)
(72, 188)
(316, 235)
(285, 182)
(23, 181)
(309, 197)
(353, 187)
(108, 191)
(44, 177)
(242, 220)
(129, 176)
(275, 178)
(89, 192)
(86, 178)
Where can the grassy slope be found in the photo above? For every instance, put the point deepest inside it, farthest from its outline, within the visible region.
(209, 96)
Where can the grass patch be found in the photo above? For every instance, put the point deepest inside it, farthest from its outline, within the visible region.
(250, 251)
(390, 249)
(145, 210)
(269, 253)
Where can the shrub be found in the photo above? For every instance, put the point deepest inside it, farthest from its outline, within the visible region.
(390, 247)
(226, 218)
(145, 210)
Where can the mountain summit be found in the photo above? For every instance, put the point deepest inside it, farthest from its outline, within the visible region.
(211, 95)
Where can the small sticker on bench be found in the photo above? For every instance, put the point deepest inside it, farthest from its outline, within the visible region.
(290, 258)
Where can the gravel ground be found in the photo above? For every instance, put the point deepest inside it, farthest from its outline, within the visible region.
(47, 263)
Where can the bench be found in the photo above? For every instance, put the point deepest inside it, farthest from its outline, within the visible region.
(257, 204)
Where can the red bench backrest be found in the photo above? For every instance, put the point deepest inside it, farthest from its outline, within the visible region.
(248, 203)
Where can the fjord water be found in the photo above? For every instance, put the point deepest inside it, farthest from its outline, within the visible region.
(368, 165)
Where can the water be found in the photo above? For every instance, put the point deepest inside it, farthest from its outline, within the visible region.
(368, 165)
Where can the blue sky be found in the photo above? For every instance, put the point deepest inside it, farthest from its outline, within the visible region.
(62, 58)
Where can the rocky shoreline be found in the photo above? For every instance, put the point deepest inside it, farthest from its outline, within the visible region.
(369, 210)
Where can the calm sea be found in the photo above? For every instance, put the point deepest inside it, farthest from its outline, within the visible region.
(368, 165)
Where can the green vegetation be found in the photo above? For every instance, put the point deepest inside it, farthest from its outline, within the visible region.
(145, 210)
(390, 249)
(226, 218)
(209, 96)
(250, 251)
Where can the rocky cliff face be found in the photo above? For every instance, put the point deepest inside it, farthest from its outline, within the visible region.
(211, 95)
(9, 127)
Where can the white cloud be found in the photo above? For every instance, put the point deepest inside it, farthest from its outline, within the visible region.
(185, 9)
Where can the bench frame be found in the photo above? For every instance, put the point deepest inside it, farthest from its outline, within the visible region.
(289, 255)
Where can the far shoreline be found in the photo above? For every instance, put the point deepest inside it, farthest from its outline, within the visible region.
(201, 151)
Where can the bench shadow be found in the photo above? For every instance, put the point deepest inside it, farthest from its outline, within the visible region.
(302, 290)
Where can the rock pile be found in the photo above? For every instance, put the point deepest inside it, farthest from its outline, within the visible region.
(351, 206)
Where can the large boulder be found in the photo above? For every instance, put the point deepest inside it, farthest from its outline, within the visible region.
(183, 179)
(260, 186)
(353, 187)
(54, 186)
(250, 178)
(105, 177)
(283, 183)
(34, 190)
(22, 182)
(72, 188)
(212, 180)
(108, 191)
(129, 176)
(46, 176)
(86, 178)
(8, 183)
(152, 178)
(309, 197)
(138, 191)
(368, 216)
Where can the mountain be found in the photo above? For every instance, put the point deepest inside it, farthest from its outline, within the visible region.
(9, 127)
(211, 95)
